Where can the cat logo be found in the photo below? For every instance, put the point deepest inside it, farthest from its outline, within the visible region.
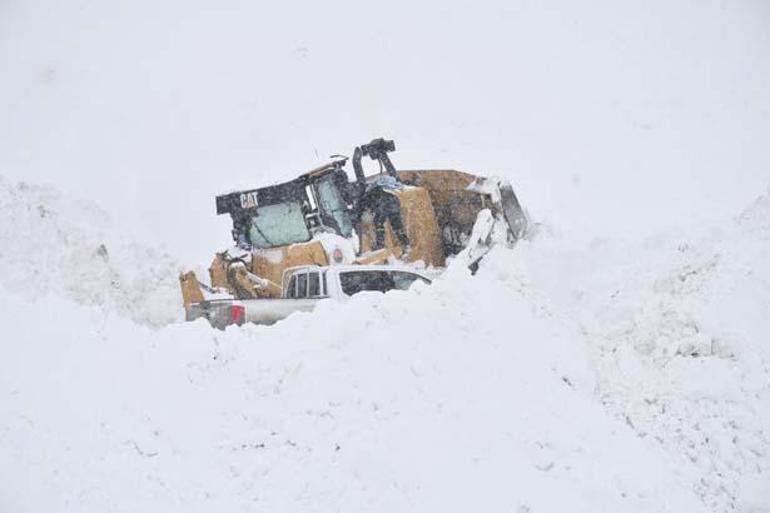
(249, 199)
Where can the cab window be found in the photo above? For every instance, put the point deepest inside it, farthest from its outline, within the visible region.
(333, 208)
(277, 225)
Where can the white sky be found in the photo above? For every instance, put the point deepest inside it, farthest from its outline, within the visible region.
(611, 118)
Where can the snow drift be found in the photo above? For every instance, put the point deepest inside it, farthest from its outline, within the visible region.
(678, 330)
(618, 377)
(67, 246)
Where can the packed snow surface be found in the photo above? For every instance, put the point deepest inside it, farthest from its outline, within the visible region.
(619, 376)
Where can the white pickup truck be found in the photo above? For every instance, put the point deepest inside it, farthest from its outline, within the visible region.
(303, 288)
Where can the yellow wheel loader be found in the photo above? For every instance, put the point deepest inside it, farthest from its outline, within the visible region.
(420, 217)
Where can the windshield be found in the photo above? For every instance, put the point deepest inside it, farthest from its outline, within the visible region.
(354, 282)
(278, 225)
(333, 208)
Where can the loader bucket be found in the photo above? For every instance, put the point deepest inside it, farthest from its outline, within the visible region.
(514, 214)
(458, 198)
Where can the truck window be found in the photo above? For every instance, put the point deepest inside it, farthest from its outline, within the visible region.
(402, 280)
(354, 282)
(314, 285)
(291, 289)
(302, 285)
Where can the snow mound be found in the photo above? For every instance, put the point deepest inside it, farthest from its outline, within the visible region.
(55, 244)
(679, 332)
(625, 376)
(467, 395)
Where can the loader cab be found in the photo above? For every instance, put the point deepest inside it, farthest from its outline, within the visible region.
(291, 212)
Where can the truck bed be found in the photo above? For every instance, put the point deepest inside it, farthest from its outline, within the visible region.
(258, 311)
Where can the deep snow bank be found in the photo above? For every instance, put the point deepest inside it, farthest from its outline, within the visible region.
(53, 243)
(441, 399)
(679, 331)
(622, 377)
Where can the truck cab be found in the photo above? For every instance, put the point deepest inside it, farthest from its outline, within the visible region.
(347, 280)
(303, 287)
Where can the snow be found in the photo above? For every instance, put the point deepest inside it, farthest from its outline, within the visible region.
(614, 118)
(616, 361)
(64, 245)
(678, 328)
(612, 377)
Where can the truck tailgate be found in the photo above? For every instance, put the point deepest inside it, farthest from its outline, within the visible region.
(217, 312)
(257, 311)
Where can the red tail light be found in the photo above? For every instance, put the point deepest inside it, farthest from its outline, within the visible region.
(237, 314)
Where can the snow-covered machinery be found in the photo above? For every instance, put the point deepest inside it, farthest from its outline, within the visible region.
(323, 218)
